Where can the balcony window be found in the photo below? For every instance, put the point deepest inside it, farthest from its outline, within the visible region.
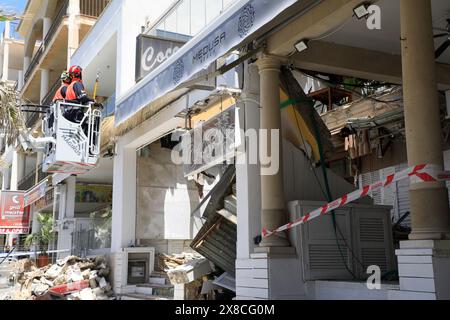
(198, 14)
(189, 17)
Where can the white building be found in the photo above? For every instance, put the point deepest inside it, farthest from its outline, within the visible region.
(234, 64)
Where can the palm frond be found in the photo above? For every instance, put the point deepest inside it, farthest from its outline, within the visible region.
(11, 119)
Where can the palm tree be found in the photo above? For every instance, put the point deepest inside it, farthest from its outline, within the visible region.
(44, 236)
(11, 120)
(7, 16)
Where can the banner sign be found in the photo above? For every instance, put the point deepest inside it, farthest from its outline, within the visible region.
(152, 52)
(14, 219)
(36, 193)
(233, 28)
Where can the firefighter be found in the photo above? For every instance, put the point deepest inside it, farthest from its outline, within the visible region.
(76, 91)
(66, 80)
(76, 94)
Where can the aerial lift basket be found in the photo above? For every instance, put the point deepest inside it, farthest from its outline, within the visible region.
(76, 132)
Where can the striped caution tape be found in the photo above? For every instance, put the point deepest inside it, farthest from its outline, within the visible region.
(417, 174)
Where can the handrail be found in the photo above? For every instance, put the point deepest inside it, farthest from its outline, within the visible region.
(51, 32)
(93, 8)
(29, 180)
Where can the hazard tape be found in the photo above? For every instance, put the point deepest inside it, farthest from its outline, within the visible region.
(417, 174)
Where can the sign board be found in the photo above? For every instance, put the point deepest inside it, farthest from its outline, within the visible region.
(229, 31)
(92, 193)
(151, 52)
(212, 143)
(36, 193)
(14, 217)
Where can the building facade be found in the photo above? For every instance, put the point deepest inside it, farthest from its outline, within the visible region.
(340, 98)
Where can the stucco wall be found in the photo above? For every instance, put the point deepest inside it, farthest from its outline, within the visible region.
(165, 198)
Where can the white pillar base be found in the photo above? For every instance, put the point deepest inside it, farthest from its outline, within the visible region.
(270, 274)
(424, 270)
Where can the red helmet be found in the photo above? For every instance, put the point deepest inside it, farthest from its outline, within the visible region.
(75, 72)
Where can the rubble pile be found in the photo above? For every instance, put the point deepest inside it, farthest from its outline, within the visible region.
(71, 278)
(166, 262)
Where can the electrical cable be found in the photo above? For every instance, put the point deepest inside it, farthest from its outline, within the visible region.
(325, 194)
(335, 84)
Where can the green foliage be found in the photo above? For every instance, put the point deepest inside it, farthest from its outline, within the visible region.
(45, 235)
(11, 120)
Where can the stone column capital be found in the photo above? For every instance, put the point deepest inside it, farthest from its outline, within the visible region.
(268, 63)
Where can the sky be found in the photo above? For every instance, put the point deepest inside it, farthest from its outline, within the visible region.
(16, 6)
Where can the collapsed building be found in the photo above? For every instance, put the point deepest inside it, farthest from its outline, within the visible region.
(349, 104)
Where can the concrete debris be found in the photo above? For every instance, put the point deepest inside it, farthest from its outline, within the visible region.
(189, 272)
(72, 278)
(102, 283)
(54, 271)
(166, 262)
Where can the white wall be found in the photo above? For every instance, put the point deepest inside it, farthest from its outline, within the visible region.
(125, 18)
(165, 198)
(133, 16)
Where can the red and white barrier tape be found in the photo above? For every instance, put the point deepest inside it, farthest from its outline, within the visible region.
(418, 174)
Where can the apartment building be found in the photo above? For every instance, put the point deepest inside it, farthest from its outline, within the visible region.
(51, 32)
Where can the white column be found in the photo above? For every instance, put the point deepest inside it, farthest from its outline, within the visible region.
(20, 80)
(73, 37)
(26, 64)
(39, 158)
(66, 214)
(17, 169)
(47, 23)
(6, 179)
(248, 180)
(6, 53)
(45, 81)
(124, 198)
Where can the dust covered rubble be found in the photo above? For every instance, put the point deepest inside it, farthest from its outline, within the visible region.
(91, 273)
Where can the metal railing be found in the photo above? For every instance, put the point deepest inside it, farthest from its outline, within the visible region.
(50, 34)
(30, 179)
(34, 63)
(93, 8)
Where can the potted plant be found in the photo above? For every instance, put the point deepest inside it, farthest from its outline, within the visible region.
(42, 238)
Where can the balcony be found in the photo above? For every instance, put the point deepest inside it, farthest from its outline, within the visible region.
(30, 179)
(53, 51)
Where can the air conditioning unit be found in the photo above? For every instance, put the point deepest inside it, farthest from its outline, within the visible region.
(363, 238)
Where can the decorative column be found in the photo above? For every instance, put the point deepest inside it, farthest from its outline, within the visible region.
(273, 213)
(429, 201)
(424, 261)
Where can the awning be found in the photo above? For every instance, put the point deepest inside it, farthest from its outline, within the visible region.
(230, 30)
(37, 192)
